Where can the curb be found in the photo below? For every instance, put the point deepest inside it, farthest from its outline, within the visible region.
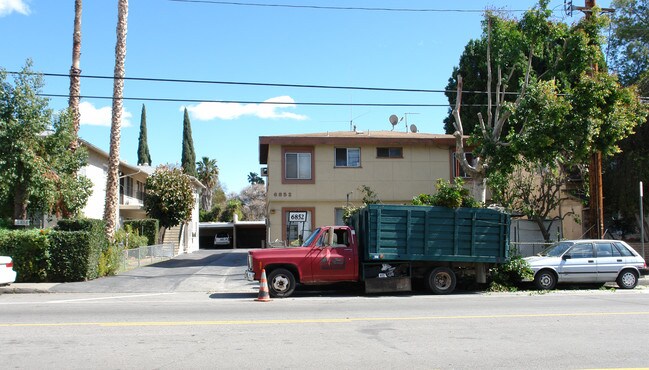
(25, 288)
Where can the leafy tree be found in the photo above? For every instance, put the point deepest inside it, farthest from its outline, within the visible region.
(188, 158)
(629, 44)
(168, 197)
(565, 109)
(37, 172)
(208, 174)
(232, 207)
(535, 191)
(143, 155)
(254, 178)
(629, 49)
(253, 201)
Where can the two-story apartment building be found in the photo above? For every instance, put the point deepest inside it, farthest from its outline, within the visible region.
(311, 177)
(131, 196)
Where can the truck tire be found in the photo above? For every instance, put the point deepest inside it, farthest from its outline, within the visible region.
(281, 283)
(441, 280)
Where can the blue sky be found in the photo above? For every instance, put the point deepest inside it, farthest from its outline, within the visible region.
(261, 44)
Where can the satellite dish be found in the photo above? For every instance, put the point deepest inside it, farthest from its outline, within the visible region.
(413, 128)
(394, 119)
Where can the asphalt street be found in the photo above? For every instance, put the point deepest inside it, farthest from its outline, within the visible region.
(209, 270)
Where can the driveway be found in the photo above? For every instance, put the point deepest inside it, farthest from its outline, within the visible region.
(210, 271)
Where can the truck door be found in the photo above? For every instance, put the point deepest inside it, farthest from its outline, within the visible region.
(336, 261)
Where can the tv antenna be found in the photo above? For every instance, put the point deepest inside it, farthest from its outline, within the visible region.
(406, 115)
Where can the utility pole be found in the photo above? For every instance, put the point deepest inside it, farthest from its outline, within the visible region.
(596, 204)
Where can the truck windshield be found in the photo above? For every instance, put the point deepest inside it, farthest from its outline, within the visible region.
(313, 235)
(556, 250)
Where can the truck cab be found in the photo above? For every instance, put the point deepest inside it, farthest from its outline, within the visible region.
(328, 255)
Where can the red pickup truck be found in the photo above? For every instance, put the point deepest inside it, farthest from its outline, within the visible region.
(387, 247)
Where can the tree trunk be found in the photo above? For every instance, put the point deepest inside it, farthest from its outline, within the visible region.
(75, 75)
(112, 181)
(20, 202)
(480, 189)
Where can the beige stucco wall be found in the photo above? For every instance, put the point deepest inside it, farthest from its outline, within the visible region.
(394, 180)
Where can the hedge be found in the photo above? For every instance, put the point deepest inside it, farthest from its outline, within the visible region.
(147, 227)
(76, 248)
(30, 252)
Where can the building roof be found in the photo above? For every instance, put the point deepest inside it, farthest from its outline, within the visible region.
(387, 138)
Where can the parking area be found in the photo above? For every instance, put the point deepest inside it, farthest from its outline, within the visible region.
(244, 234)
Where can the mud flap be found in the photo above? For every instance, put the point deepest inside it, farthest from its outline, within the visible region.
(394, 284)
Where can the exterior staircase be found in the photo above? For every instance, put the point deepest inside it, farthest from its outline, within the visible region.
(172, 236)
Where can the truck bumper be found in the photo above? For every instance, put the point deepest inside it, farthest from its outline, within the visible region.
(249, 275)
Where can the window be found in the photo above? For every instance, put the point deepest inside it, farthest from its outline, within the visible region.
(458, 171)
(298, 166)
(338, 215)
(394, 152)
(581, 251)
(348, 157)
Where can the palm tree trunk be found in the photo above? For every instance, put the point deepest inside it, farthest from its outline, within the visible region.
(75, 75)
(112, 181)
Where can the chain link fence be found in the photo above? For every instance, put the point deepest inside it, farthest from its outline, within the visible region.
(142, 256)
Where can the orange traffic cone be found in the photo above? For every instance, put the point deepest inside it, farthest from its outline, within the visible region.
(263, 296)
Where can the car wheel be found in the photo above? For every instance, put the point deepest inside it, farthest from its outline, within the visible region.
(281, 283)
(545, 280)
(441, 280)
(627, 279)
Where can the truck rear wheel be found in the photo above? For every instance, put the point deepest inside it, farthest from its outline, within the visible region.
(281, 283)
(441, 280)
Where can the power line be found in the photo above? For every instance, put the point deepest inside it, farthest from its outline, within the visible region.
(264, 84)
(320, 7)
(178, 100)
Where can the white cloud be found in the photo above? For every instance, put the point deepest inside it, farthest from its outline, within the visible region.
(229, 111)
(9, 6)
(100, 116)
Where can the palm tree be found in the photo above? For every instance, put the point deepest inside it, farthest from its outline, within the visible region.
(208, 174)
(112, 181)
(75, 75)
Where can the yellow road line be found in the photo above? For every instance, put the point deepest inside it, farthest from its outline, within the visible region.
(320, 321)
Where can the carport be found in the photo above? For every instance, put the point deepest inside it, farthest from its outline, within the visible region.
(243, 234)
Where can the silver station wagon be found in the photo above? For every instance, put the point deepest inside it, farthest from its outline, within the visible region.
(588, 261)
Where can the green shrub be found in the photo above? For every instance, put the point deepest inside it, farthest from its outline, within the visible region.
(30, 252)
(509, 275)
(76, 248)
(110, 261)
(147, 227)
(129, 239)
(448, 195)
(72, 257)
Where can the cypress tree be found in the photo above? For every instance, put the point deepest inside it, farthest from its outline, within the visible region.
(143, 155)
(188, 159)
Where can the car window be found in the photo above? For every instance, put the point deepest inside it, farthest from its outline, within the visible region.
(581, 251)
(605, 250)
(623, 250)
(556, 250)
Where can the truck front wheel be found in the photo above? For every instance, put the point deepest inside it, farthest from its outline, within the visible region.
(441, 280)
(281, 283)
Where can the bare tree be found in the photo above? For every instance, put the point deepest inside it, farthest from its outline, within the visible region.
(75, 75)
(112, 181)
(491, 130)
